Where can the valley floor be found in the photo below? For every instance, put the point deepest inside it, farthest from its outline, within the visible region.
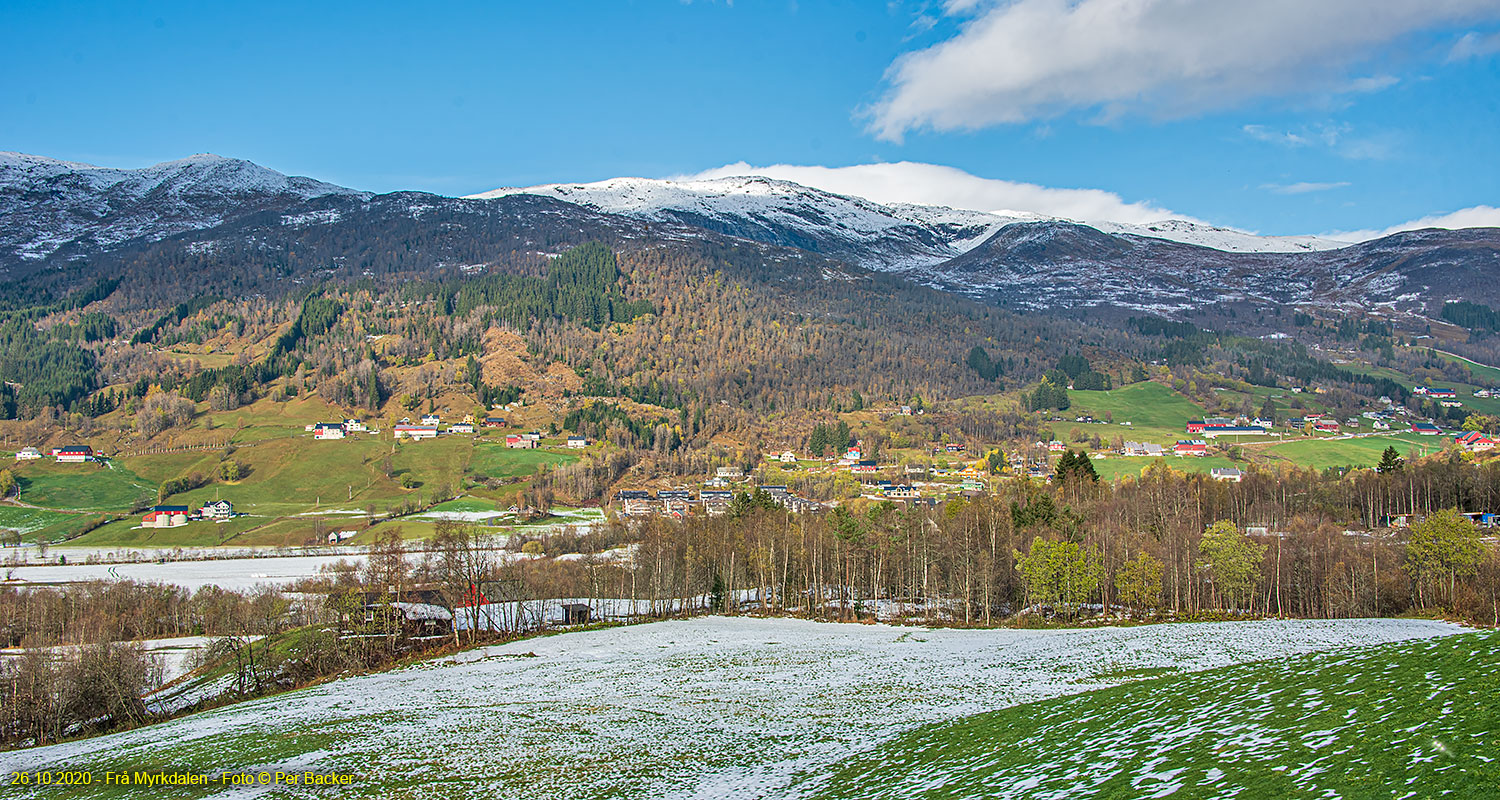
(707, 707)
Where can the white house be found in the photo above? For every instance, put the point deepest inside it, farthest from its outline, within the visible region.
(351, 425)
(217, 509)
(729, 472)
(28, 454)
(328, 430)
(431, 419)
(788, 457)
(577, 442)
(339, 536)
(461, 427)
(1227, 474)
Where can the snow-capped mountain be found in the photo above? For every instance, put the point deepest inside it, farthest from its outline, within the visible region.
(1050, 265)
(784, 213)
(897, 237)
(47, 205)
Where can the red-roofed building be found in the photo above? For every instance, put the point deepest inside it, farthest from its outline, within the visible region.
(1475, 442)
(1191, 447)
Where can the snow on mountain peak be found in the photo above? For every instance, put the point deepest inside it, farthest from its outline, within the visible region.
(47, 203)
(891, 237)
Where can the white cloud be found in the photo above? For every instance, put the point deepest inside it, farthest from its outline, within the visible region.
(1334, 137)
(1474, 45)
(1018, 61)
(1474, 217)
(932, 184)
(1302, 187)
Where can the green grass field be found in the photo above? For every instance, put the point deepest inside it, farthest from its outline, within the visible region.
(1362, 452)
(1156, 413)
(51, 526)
(495, 460)
(291, 485)
(1116, 467)
(1416, 719)
(82, 487)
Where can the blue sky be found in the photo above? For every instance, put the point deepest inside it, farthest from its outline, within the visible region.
(1276, 116)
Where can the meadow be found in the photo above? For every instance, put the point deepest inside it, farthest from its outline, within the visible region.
(748, 707)
(1413, 719)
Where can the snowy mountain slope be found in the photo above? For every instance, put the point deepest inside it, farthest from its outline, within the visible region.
(887, 237)
(785, 213)
(1226, 239)
(1050, 265)
(49, 206)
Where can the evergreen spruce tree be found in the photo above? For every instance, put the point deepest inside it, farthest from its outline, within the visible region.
(1390, 461)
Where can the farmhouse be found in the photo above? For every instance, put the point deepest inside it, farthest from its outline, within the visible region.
(217, 509)
(28, 454)
(1191, 447)
(494, 422)
(338, 536)
(328, 430)
(1227, 474)
(74, 454)
(728, 473)
(788, 457)
(534, 436)
(416, 433)
(461, 427)
(431, 419)
(1451, 403)
(516, 442)
(578, 442)
(1475, 442)
(1426, 429)
(165, 517)
(352, 425)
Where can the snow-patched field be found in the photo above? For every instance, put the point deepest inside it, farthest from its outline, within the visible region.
(237, 574)
(704, 708)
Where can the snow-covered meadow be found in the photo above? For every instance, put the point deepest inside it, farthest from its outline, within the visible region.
(702, 708)
(237, 574)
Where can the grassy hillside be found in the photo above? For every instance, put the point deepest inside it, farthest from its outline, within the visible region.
(51, 526)
(82, 487)
(1405, 720)
(1363, 452)
(1155, 412)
